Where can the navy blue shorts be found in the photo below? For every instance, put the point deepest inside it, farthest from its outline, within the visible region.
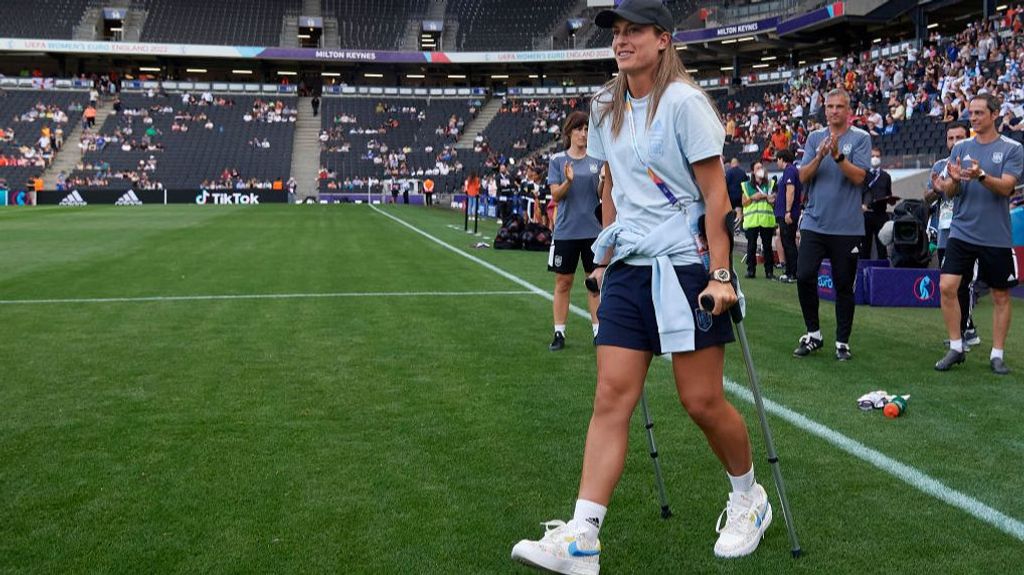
(627, 315)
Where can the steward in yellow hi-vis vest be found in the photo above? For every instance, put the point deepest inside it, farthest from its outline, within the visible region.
(759, 220)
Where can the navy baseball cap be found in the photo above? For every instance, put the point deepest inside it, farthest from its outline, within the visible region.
(637, 12)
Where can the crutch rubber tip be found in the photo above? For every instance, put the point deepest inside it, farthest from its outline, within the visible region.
(773, 460)
(665, 512)
(654, 455)
(797, 553)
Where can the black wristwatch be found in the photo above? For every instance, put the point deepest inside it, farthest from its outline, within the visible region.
(722, 275)
(981, 176)
(840, 158)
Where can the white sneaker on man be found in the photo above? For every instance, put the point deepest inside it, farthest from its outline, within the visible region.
(564, 548)
(747, 515)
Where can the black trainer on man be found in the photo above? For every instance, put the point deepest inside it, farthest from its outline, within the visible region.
(981, 174)
(833, 170)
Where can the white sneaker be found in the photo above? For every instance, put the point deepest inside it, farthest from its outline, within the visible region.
(746, 518)
(563, 549)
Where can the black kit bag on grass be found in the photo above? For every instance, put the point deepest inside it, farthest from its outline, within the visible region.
(536, 238)
(510, 236)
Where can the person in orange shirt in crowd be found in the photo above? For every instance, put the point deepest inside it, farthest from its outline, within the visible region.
(278, 185)
(428, 191)
(38, 184)
(851, 80)
(90, 116)
(780, 140)
(472, 189)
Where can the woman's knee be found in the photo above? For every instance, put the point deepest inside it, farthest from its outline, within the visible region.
(703, 408)
(614, 397)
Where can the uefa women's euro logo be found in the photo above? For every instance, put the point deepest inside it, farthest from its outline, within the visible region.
(924, 288)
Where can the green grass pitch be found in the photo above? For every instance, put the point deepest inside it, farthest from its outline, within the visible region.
(427, 433)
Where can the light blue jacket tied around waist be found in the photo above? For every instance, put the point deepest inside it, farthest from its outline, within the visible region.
(670, 243)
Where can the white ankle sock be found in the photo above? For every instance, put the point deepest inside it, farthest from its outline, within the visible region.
(956, 345)
(742, 483)
(815, 334)
(595, 326)
(996, 353)
(589, 516)
(560, 328)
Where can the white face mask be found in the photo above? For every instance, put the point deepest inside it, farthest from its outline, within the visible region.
(875, 162)
(759, 174)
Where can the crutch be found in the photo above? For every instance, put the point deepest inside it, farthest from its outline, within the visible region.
(707, 303)
(592, 286)
(649, 426)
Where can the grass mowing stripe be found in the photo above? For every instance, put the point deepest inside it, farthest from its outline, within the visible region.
(909, 475)
(173, 298)
(511, 277)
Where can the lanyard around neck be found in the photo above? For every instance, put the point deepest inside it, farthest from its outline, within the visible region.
(661, 185)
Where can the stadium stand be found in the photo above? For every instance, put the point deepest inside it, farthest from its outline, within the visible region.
(377, 25)
(504, 24)
(522, 127)
(250, 23)
(187, 140)
(34, 126)
(41, 18)
(364, 138)
(904, 100)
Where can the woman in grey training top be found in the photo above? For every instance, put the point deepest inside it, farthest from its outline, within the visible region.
(573, 177)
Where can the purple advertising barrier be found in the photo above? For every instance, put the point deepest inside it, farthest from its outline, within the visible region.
(826, 288)
(903, 287)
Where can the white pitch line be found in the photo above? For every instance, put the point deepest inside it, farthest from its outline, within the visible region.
(229, 297)
(909, 475)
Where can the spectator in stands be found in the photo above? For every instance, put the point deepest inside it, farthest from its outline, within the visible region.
(877, 191)
(788, 196)
(573, 178)
(982, 172)
(759, 219)
(833, 169)
(652, 90)
(90, 116)
(315, 103)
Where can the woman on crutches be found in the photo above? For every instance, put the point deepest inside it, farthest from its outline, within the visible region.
(662, 139)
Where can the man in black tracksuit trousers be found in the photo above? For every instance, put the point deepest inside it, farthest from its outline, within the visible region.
(834, 167)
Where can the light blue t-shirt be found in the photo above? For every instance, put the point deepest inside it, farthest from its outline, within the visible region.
(575, 218)
(833, 201)
(981, 217)
(685, 130)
